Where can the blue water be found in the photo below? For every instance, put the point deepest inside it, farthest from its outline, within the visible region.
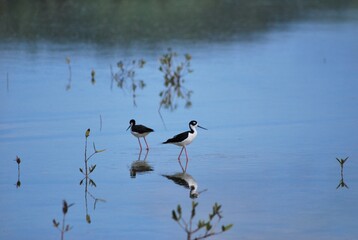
(280, 107)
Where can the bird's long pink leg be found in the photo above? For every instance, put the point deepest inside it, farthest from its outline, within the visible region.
(140, 145)
(146, 143)
(180, 153)
(187, 159)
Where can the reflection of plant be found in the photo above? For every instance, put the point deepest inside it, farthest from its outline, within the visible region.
(68, 61)
(87, 180)
(342, 161)
(126, 73)
(206, 227)
(64, 228)
(18, 161)
(342, 184)
(93, 80)
(174, 74)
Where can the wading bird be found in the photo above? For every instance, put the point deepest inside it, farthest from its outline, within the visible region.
(183, 139)
(139, 131)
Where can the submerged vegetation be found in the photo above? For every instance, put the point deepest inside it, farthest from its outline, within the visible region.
(18, 182)
(174, 73)
(93, 74)
(64, 228)
(125, 77)
(203, 228)
(69, 84)
(342, 184)
(174, 70)
(87, 180)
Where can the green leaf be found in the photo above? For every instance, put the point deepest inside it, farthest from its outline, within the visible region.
(92, 168)
(88, 218)
(227, 227)
(88, 133)
(92, 183)
(179, 209)
(67, 228)
(174, 216)
(65, 207)
(55, 223)
(201, 224)
(187, 57)
(208, 226)
(102, 150)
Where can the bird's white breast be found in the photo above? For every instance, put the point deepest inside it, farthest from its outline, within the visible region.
(140, 134)
(188, 140)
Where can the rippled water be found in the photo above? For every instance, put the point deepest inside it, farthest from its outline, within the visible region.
(279, 99)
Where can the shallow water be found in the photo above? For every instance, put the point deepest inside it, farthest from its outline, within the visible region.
(279, 100)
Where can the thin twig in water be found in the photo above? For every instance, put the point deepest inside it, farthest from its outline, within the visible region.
(7, 82)
(112, 76)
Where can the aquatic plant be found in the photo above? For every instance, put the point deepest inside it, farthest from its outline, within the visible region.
(18, 182)
(205, 227)
(93, 74)
(341, 183)
(68, 61)
(7, 82)
(89, 170)
(64, 228)
(87, 180)
(342, 161)
(125, 77)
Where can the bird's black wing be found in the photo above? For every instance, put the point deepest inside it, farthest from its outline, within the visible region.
(178, 138)
(141, 129)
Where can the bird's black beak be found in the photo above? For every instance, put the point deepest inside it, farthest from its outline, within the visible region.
(202, 127)
(128, 127)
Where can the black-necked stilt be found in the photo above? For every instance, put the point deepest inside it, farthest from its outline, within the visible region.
(184, 139)
(139, 131)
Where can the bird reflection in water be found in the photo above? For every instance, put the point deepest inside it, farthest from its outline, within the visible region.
(140, 166)
(187, 181)
(342, 184)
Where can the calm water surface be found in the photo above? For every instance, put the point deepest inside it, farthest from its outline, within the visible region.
(279, 100)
